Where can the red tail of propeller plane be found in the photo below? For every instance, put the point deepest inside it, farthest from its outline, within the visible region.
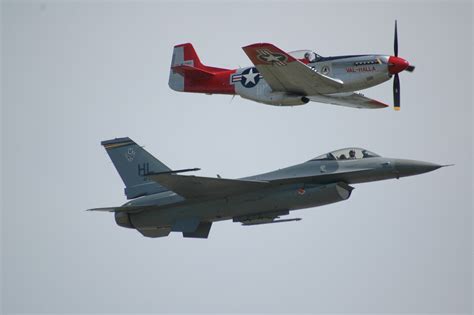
(188, 74)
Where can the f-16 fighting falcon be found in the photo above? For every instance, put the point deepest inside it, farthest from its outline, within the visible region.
(294, 78)
(162, 200)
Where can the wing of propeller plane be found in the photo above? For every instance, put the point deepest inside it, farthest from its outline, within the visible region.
(286, 74)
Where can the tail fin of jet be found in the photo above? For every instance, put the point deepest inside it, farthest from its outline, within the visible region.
(132, 163)
(187, 73)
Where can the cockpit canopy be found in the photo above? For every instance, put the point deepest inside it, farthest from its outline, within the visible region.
(346, 154)
(309, 55)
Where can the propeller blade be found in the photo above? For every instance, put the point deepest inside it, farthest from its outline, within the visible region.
(410, 68)
(396, 92)
(395, 41)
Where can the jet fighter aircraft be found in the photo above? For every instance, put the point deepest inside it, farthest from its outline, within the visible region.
(294, 78)
(162, 200)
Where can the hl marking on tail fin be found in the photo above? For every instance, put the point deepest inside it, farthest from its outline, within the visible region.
(133, 163)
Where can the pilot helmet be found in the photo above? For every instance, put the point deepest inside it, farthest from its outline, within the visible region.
(310, 56)
(352, 153)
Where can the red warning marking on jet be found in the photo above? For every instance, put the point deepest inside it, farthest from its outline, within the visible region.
(301, 191)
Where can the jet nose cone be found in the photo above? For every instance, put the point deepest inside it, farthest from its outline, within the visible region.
(397, 64)
(409, 167)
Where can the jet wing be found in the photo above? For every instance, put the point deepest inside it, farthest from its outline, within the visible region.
(287, 74)
(195, 187)
(356, 100)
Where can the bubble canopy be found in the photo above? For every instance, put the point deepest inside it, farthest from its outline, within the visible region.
(346, 154)
(307, 54)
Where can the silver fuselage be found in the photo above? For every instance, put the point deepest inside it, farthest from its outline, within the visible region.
(357, 72)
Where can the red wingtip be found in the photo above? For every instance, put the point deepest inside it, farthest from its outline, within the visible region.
(378, 104)
(258, 45)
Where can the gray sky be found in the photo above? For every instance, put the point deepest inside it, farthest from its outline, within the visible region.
(79, 72)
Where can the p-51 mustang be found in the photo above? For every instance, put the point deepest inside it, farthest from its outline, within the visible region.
(294, 78)
(163, 201)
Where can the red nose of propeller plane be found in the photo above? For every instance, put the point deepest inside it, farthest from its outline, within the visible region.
(397, 64)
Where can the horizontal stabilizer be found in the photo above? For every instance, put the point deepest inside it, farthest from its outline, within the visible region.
(195, 187)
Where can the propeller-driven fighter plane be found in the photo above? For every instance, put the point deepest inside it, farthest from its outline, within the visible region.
(163, 201)
(294, 78)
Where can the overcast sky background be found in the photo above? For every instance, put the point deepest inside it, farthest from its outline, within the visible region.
(79, 72)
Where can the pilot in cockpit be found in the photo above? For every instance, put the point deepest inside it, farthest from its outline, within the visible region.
(310, 56)
(352, 154)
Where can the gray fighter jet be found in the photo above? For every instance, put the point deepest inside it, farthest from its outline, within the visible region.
(163, 201)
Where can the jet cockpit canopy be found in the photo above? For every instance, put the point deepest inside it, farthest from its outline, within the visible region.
(346, 154)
